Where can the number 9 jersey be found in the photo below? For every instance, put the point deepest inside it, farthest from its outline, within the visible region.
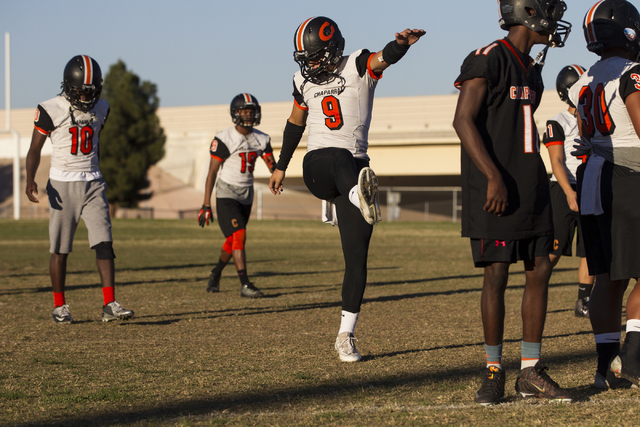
(340, 111)
(74, 138)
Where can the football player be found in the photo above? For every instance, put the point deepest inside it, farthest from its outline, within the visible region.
(234, 152)
(559, 138)
(73, 121)
(608, 102)
(334, 95)
(506, 210)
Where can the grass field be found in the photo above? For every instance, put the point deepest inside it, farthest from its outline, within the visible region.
(189, 358)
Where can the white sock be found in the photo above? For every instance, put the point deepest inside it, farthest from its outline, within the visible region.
(348, 322)
(353, 197)
(633, 325)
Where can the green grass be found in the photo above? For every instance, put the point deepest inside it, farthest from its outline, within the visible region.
(189, 358)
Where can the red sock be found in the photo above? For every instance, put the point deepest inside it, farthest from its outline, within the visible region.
(109, 294)
(58, 299)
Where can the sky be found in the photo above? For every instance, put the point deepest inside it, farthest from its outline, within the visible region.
(204, 52)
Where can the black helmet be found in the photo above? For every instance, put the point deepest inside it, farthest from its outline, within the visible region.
(536, 15)
(245, 101)
(82, 82)
(319, 40)
(566, 78)
(612, 23)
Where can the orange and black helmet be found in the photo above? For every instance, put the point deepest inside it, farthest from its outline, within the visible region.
(318, 47)
(612, 23)
(82, 82)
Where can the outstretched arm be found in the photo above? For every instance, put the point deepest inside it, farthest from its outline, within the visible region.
(33, 161)
(290, 140)
(472, 95)
(395, 50)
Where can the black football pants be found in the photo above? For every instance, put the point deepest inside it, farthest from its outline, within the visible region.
(330, 173)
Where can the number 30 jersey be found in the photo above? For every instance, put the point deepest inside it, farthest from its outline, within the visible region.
(600, 96)
(340, 111)
(74, 138)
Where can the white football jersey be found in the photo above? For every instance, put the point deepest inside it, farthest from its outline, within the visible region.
(340, 111)
(238, 154)
(600, 94)
(562, 129)
(74, 138)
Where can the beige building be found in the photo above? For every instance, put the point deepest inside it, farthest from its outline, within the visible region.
(411, 144)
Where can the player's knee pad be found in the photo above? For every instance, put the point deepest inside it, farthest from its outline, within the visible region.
(228, 245)
(104, 250)
(238, 240)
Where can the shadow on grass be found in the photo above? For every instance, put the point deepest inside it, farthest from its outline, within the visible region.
(286, 398)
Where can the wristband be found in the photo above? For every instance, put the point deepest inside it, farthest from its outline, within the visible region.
(393, 52)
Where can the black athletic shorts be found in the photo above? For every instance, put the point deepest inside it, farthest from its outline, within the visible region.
(232, 215)
(488, 251)
(611, 239)
(565, 223)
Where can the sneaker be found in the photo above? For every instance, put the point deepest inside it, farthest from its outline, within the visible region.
(61, 314)
(250, 291)
(621, 367)
(346, 347)
(114, 311)
(492, 389)
(368, 195)
(213, 285)
(582, 308)
(534, 381)
(611, 382)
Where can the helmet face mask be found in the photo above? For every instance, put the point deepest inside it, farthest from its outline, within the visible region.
(82, 82)
(536, 15)
(245, 110)
(612, 23)
(318, 46)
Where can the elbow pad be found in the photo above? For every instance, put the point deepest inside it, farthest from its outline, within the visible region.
(290, 140)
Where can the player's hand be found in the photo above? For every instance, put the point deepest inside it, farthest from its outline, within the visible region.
(572, 201)
(582, 149)
(409, 37)
(205, 215)
(275, 182)
(496, 197)
(32, 190)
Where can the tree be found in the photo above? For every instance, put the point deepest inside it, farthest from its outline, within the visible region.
(132, 139)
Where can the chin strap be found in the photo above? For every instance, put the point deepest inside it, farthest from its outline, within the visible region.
(540, 58)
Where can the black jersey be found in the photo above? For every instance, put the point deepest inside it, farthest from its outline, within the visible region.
(508, 130)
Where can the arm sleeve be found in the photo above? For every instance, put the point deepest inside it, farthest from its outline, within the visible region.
(630, 82)
(290, 140)
(219, 150)
(43, 121)
(267, 156)
(553, 134)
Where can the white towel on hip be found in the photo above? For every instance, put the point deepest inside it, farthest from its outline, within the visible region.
(590, 198)
(329, 215)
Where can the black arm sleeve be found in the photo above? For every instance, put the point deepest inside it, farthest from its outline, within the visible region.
(290, 140)
(393, 52)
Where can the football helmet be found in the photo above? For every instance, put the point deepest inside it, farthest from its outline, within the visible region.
(82, 82)
(566, 78)
(612, 23)
(536, 15)
(245, 101)
(318, 46)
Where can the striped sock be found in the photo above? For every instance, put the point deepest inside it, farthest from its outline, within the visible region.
(493, 353)
(530, 354)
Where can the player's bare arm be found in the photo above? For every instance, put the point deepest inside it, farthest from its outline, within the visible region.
(556, 157)
(404, 39)
(472, 95)
(298, 117)
(33, 161)
(205, 213)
